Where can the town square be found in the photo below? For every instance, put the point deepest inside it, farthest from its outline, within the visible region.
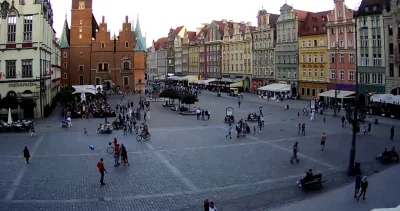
(292, 105)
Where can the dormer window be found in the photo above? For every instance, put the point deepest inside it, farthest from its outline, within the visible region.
(340, 14)
(374, 8)
(366, 9)
(81, 5)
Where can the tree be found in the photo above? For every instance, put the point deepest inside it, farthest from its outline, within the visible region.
(189, 99)
(9, 101)
(170, 94)
(27, 103)
(65, 96)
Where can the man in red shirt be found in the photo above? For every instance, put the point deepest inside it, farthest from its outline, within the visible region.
(100, 166)
(323, 140)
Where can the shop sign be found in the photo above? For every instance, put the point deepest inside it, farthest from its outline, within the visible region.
(22, 84)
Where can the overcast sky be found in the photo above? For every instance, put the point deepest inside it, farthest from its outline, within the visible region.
(158, 16)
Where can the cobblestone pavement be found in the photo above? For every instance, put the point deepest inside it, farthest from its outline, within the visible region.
(185, 161)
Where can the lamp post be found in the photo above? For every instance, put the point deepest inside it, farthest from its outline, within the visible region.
(352, 157)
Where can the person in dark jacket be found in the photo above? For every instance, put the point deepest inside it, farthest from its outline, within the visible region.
(391, 133)
(364, 186)
(124, 155)
(26, 154)
(358, 183)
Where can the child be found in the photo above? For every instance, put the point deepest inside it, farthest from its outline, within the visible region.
(85, 132)
(32, 131)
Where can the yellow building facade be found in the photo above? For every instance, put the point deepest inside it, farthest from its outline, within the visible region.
(194, 60)
(313, 56)
(236, 52)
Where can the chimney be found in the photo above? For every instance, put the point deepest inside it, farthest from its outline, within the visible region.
(103, 19)
(126, 19)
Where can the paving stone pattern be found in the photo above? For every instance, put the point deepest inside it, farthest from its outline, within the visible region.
(186, 161)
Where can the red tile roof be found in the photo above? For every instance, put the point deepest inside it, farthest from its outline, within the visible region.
(314, 24)
(301, 14)
(177, 30)
(160, 42)
(191, 35)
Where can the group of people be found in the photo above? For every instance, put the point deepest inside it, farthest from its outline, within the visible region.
(388, 155)
(203, 114)
(94, 105)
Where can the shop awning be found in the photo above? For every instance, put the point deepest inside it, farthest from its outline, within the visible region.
(236, 85)
(208, 81)
(386, 98)
(190, 78)
(340, 94)
(276, 88)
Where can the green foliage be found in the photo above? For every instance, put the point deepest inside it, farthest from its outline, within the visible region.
(27, 103)
(9, 102)
(65, 96)
(170, 93)
(189, 99)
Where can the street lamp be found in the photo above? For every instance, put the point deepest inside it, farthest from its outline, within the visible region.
(352, 157)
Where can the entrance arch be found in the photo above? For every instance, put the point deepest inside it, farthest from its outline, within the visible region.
(395, 91)
(246, 84)
(362, 100)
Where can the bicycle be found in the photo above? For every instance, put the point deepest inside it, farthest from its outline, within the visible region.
(90, 116)
(141, 136)
(110, 149)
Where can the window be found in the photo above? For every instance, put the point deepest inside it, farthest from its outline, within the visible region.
(321, 58)
(81, 5)
(11, 29)
(340, 14)
(362, 78)
(341, 29)
(391, 48)
(28, 28)
(374, 78)
(351, 75)
(126, 44)
(80, 22)
(309, 43)
(332, 74)
(321, 73)
(81, 68)
(351, 58)
(65, 55)
(80, 36)
(367, 78)
(309, 58)
(315, 58)
(99, 67)
(315, 73)
(97, 81)
(391, 70)
(11, 69)
(321, 42)
(26, 68)
(333, 58)
(313, 92)
(333, 44)
(341, 58)
(65, 64)
(126, 65)
(315, 43)
(390, 30)
(341, 43)
(105, 66)
(341, 74)
(308, 91)
(81, 81)
(350, 43)
(103, 45)
(80, 54)
(65, 75)
(309, 72)
(80, 29)
(304, 73)
(332, 30)
(302, 91)
(304, 58)
(379, 78)
(303, 44)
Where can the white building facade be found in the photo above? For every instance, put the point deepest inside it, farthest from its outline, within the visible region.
(29, 55)
(152, 63)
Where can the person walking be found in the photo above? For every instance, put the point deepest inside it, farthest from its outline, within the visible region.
(260, 125)
(100, 166)
(148, 114)
(369, 128)
(299, 129)
(364, 186)
(239, 103)
(124, 155)
(117, 153)
(323, 140)
(295, 150)
(32, 131)
(229, 132)
(391, 133)
(26, 154)
(343, 121)
(303, 129)
(358, 183)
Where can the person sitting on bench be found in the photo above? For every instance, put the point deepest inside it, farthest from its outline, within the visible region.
(309, 176)
(394, 154)
(384, 155)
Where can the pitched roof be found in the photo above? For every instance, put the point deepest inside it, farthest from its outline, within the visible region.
(262, 12)
(379, 4)
(177, 30)
(301, 14)
(314, 24)
(191, 35)
(63, 42)
(160, 43)
(273, 18)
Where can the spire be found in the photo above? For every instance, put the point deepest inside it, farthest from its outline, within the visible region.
(140, 40)
(64, 39)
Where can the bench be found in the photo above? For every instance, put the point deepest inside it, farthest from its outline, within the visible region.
(316, 180)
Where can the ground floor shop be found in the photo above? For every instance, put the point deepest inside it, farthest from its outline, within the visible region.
(343, 87)
(311, 90)
(260, 82)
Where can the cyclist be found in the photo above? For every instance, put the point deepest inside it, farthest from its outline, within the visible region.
(145, 129)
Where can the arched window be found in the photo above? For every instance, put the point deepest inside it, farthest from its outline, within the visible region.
(126, 65)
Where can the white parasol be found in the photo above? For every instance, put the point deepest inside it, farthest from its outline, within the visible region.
(83, 97)
(9, 121)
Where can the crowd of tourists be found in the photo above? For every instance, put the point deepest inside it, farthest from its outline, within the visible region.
(94, 106)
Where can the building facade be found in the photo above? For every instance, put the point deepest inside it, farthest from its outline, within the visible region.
(173, 36)
(162, 51)
(391, 21)
(371, 53)
(187, 37)
(194, 60)
(178, 54)
(313, 64)
(29, 55)
(263, 59)
(236, 52)
(93, 56)
(151, 63)
(286, 50)
(341, 47)
(213, 44)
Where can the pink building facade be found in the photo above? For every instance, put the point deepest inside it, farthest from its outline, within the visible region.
(341, 47)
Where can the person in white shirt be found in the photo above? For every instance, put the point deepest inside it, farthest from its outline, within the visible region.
(212, 207)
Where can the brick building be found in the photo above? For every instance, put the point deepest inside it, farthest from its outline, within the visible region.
(90, 55)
